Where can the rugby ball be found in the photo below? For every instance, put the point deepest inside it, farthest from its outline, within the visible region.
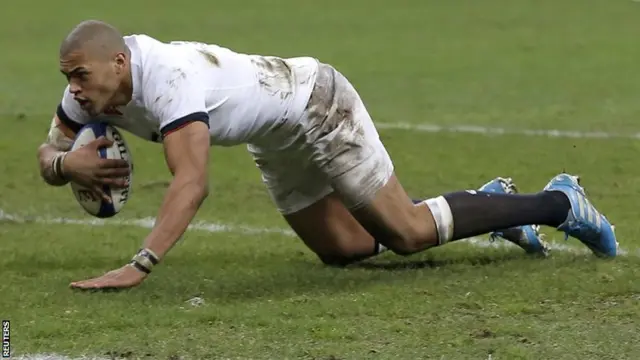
(91, 203)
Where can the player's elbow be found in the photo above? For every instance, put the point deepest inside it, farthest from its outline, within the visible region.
(200, 193)
(43, 150)
(199, 189)
(203, 191)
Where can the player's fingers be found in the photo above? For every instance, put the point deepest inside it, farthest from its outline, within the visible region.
(102, 283)
(113, 172)
(83, 284)
(100, 142)
(97, 190)
(86, 286)
(95, 282)
(113, 181)
(119, 183)
(113, 163)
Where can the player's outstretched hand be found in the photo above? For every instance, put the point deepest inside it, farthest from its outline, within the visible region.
(85, 167)
(124, 277)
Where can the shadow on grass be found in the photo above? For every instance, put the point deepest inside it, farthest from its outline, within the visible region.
(477, 260)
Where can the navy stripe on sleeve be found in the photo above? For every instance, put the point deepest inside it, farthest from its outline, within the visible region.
(66, 120)
(183, 121)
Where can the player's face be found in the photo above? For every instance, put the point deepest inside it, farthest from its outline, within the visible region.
(94, 82)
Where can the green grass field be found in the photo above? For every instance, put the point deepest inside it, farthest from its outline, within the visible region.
(569, 65)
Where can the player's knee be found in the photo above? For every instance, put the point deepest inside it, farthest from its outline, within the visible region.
(412, 240)
(339, 256)
(336, 261)
(343, 254)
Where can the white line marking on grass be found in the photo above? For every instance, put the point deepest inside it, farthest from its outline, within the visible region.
(497, 131)
(148, 222)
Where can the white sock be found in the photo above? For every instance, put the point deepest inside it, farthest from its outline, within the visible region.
(444, 219)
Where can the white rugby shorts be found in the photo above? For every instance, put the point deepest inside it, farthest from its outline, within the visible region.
(337, 148)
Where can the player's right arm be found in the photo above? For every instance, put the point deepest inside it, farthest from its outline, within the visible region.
(53, 150)
(59, 165)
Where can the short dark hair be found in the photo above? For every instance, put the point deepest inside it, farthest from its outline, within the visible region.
(94, 36)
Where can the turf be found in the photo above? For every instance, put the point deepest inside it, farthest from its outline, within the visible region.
(514, 64)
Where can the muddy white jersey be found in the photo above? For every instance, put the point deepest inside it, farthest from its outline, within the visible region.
(243, 98)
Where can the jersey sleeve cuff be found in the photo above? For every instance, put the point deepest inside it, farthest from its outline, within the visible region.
(67, 121)
(184, 121)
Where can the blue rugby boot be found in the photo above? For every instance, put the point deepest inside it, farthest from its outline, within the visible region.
(526, 236)
(583, 221)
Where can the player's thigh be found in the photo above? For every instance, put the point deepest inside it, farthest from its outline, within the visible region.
(304, 196)
(330, 230)
(293, 183)
(348, 150)
(344, 143)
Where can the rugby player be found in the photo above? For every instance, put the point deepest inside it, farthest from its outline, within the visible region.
(310, 135)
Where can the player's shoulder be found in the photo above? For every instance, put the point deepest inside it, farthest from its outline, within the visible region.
(145, 48)
(161, 70)
(154, 60)
(147, 43)
(157, 55)
(141, 40)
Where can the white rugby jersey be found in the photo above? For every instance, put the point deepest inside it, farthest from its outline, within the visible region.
(244, 98)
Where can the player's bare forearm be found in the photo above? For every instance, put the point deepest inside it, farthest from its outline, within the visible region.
(187, 155)
(59, 140)
(180, 205)
(46, 156)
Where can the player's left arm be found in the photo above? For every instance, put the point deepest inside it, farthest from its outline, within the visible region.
(187, 153)
(184, 124)
(187, 156)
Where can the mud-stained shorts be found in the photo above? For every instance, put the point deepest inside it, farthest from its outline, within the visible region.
(337, 149)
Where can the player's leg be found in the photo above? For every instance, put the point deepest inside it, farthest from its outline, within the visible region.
(303, 195)
(330, 230)
(348, 149)
(527, 237)
(412, 228)
(459, 215)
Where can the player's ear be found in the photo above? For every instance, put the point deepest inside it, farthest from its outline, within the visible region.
(120, 62)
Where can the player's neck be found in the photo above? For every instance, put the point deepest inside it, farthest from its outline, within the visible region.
(125, 92)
